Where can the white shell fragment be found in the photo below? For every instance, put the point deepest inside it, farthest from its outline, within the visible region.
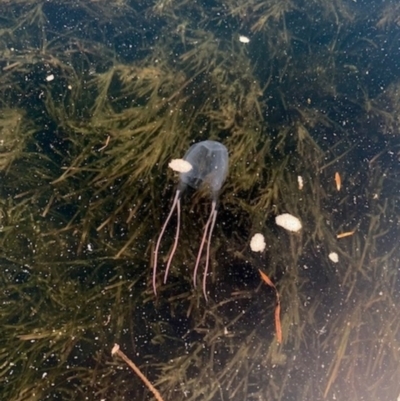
(180, 165)
(288, 222)
(244, 39)
(257, 243)
(300, 182)
(334, 257)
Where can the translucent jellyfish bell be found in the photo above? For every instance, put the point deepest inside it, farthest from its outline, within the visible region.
(209, 161)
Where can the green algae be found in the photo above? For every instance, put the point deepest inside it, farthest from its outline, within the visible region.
(96, 98)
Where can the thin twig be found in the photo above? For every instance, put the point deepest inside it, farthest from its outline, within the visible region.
(146, 381)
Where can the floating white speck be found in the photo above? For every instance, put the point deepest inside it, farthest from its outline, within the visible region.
(257, 243)
(50, 78)
(244, 39)
(180, 165)
(334, 257)
(288, 222)
(300, 182)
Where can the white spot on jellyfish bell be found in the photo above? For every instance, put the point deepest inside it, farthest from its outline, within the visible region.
(180, 165)
(288, 222)
(257, 243)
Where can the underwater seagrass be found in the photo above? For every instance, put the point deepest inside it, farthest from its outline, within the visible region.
(312, 94)
(15, 134)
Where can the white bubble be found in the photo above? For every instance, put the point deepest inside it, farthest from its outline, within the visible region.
(334, 257)
(288, 222)
(257, 243)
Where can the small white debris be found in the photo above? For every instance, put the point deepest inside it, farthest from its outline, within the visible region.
(334, 257)
(115, 349)
(180, 165)
(300, 182)
(257, 243)
(288, 222)
(244, 39)
(50, 78)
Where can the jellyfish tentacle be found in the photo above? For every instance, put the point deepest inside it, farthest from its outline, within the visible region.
(171, 255)
(203, 240)
(174, 205)
(214, 218)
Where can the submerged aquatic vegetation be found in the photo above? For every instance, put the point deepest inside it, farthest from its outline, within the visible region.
(15, 136)
(83, 162)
